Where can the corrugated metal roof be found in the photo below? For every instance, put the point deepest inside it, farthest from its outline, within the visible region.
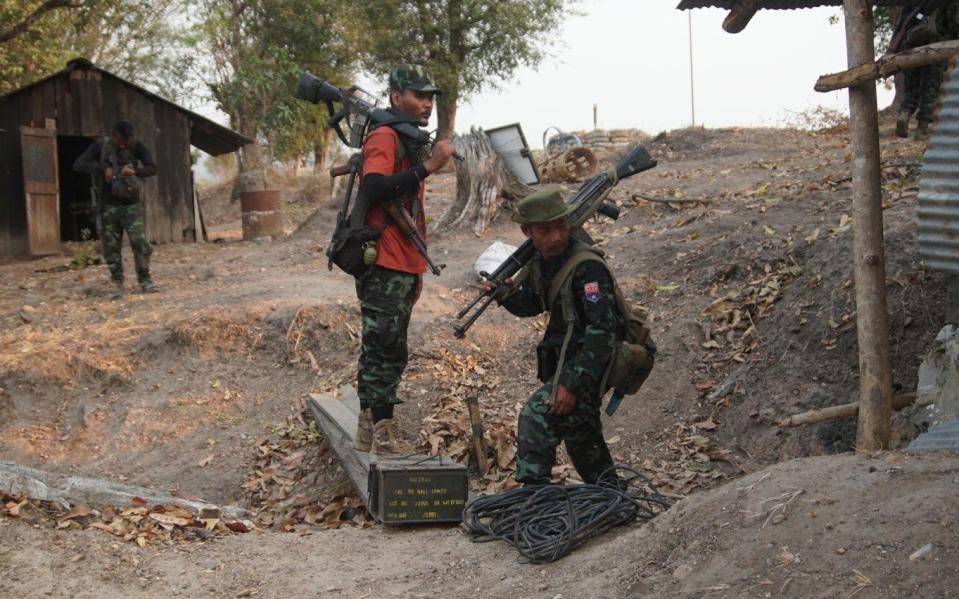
(211, 137)
(942, 436)
(939, 186)
(928, 5)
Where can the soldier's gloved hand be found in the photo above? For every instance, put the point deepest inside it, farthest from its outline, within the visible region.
(108, 174)
(564, 402)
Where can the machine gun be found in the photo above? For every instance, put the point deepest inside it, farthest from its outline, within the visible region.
(590, 199)
(359, 113)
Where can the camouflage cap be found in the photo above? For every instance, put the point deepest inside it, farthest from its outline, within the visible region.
(412, 76)
(541, 207)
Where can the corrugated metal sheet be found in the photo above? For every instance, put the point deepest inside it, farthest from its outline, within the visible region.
(927, 5)
(939, 186)
(943, 436)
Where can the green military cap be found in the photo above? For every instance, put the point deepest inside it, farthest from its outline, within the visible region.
(414, 77)
(541, 207)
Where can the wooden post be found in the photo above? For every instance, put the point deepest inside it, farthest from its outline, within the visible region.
(476, 427)
(952, 299)
(872, 321)
(740, 15)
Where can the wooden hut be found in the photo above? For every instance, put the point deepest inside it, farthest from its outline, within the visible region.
(46, 125)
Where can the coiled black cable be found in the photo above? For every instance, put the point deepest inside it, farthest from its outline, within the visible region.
(547, 522)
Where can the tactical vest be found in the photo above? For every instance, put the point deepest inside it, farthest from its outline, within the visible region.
(634, 354)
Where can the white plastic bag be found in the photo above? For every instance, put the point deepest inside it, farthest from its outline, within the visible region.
(492, 257)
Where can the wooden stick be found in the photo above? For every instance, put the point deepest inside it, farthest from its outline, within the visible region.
(846, 411)
(889, 65)
(476, 424)
(639, 196)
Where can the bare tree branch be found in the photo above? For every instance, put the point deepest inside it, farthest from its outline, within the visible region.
(22, 27)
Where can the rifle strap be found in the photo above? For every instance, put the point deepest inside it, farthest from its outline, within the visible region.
(560, 289)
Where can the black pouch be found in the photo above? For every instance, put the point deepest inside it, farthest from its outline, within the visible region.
(547, 359)
(347, 246)
(126, 189)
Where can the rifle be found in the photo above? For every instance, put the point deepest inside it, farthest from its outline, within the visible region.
(359, 112)
(590, 199)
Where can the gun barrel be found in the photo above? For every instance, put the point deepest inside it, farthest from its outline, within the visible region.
(313, 89)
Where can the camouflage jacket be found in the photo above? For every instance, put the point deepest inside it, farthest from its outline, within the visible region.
(599, 328)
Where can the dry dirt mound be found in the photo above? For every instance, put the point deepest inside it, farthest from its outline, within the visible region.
(816, 527)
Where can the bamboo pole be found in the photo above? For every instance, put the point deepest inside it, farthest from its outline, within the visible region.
(889, 64)
(872, 322)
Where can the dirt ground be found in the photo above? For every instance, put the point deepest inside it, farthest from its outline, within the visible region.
(199, 389)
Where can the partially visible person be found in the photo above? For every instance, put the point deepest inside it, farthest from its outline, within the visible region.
(119, 163)
(922, 84)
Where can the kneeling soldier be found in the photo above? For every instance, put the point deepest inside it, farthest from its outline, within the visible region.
(581, 348)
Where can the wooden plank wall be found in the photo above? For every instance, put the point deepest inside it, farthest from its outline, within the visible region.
(86, 103)
(173, 156)
(13, 216)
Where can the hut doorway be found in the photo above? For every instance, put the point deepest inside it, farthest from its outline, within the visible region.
(77, 221)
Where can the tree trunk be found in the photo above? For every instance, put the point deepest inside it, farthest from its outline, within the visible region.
(481, 179)
(321, 153)
(869, 263)
(446, 114)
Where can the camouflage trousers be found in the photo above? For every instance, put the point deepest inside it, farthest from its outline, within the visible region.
(539, 434)
(116, 220)
(386, 302)
(921, 91)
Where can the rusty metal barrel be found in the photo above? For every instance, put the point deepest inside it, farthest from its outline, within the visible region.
(261, 214)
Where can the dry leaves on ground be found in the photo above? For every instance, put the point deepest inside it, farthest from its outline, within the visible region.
(731, 330)
(139, 523)
(294, 481)
(447, 430)
(695, 465)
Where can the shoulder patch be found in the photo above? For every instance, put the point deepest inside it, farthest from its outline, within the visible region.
(591, 290)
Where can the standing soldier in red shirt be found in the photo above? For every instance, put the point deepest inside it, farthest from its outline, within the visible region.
(392, 170)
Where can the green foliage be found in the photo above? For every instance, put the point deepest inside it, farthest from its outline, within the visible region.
(259, 48)
(35, 53)
(136, 40)
(144, 42)
(467, 45)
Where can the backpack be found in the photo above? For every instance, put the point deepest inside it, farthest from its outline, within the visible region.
(634, 356)
(352, 237)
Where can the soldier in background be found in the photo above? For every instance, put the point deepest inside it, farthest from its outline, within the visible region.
(922, 84)
(119, 164)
